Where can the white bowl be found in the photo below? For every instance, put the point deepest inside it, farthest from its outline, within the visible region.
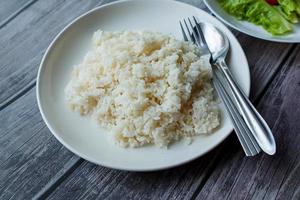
(82, 135)
(249, 28)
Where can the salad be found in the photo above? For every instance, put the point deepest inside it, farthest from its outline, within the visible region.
(275, 16)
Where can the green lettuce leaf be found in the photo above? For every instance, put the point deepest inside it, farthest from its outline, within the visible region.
(291, 17)
(258, 12)
(290, 10)
(297, 7)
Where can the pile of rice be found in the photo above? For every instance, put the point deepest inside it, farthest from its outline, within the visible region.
(144, 87)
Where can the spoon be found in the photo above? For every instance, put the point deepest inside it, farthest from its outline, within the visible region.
(218, 45)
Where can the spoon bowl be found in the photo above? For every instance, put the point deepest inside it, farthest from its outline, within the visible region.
(217, 43)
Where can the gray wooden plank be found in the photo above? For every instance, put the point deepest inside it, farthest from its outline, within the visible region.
(265, 60)
(93, 182)
(24, 39)
(8, 8)
(30, 156)
(266, 177)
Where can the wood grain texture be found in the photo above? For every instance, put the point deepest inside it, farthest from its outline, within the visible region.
(265, 59)
(24, 40)
(90, 181)
(266, 177)
(30, 157)
(9, 8)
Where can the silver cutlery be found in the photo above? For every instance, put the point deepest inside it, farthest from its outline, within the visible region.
(248, 143)
(249, 146)
(252, 131)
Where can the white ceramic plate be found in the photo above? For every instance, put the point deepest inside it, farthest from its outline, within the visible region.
(82, 135)
(249, 28)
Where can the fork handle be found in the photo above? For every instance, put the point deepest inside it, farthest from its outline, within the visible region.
(246, 139)
(252, 118)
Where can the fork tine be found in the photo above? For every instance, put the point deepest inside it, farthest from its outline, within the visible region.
(194, 32)
(200, 33)
(189, 33)
(183, 32)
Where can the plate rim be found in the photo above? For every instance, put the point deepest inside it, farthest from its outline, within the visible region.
(265, 37)
(84, 156)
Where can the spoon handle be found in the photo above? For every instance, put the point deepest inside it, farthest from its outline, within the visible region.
(257, 125)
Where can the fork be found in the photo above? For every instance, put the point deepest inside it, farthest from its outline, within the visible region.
(243, 133)
(248, 142)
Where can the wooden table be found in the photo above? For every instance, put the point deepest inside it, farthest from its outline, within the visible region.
(33, 164)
